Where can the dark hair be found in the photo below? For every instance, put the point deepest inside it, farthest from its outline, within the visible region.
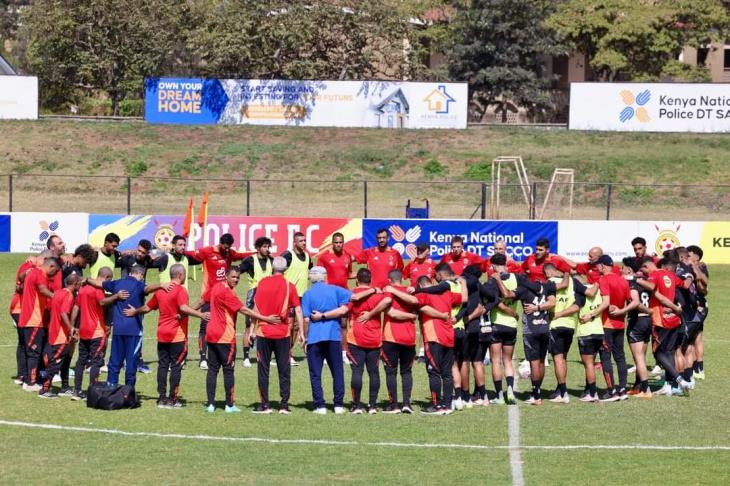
(226, 239)
(641, 261)
(543, 242)
(381, 230)
(177, 238)
(632, 263)
(298, 234)
(261, 241)
(395, 275)
(364, 276)
(49, 242)
(443, 267)
(457, 239)
(71, 279)
(111, 238)
(145, 244)
(233, 269)
(424, 281)
(662, 262)
(638, 241)
(672, 256)
(498, 259)
(53, 260)
(85, 251)
(696, 250)
(421, 247)
(338, 235)
(473, 271)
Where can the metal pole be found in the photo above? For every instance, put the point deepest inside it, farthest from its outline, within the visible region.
(129, 195)
(533, 201)
(248, 197)
(484, 201)
(365, 198)
(10, 193)
(608, 201)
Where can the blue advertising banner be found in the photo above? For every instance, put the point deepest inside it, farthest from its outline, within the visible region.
(4, 232)
(378, 104)
(479, 235)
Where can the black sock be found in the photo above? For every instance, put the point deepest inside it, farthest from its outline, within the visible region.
(465, 395)
(498, 386)
(644, 385)
(687, 374)
(563, 389)
(536, 392)
(701, 365)
(511, 382)
(481, 392)
(457, 392)
(592, 388)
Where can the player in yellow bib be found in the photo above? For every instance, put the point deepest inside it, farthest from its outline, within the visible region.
(590, 337)
(297, 272)
(504, 319)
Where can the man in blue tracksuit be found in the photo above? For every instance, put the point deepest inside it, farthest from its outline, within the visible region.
(127, 331)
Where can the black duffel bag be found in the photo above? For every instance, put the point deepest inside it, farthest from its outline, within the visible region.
(104, 397)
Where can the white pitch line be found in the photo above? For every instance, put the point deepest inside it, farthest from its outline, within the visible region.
(515, 456)
(69, 428)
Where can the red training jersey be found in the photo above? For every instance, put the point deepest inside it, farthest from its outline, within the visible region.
(592, 274)
(458, 264)
(666, 284)
(533, 267)
(365, 334)
(224, 307)
(15, 301)
(380, 263)
(61, 303)
(338, 268)
(398, 331)
(33, 303)
(437, 330)
(616, 289)
(215, 265)
(415, 270)
(275, 295)
(92, 322)
(170, 329)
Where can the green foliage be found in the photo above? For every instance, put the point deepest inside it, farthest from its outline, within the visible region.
(189, 166)
(135, 168)
(637, 39)
(678, 71)
(131, 108)
(498, 48)
(479, 171)
(433, 168)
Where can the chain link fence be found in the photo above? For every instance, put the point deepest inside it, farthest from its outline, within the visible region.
(374, 199)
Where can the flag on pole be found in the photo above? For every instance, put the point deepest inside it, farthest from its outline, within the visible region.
(188, 223)
(203, 218)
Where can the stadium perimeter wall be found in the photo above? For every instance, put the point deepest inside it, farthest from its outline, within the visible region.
(28, 233)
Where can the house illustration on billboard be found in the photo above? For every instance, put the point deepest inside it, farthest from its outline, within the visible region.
(438, 100)
(393, 111)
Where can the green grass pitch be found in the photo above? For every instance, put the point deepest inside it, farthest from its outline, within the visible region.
(365, 449)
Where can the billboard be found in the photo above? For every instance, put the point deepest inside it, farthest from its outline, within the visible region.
(4, 233)
(384, 104)
(29, 232)
(18, 98)
(245, 229)
(650, 107)
(479, 235)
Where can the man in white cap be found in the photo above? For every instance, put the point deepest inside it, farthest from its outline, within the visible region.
(322, 306)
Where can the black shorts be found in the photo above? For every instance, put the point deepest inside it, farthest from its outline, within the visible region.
(560, 340)
(639, 331)
(690, 331)
(590, 345)
(459, 346)
(702, 316)
(474, 348)
(505, 335)
(664, 339)
(536, 346)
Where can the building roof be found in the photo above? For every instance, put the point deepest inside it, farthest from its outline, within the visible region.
(5, 68)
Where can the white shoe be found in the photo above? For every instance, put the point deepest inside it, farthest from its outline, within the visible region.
(104, 369)
(561, 399)
(56, 378)
(457, 404)
(246, 363)
(469, 404)
(657, 370)
(632, 369)
(17, 381)
(203, 364)
(686, 386)
(71, 373)
(320, 411)
(293, 362)
(31, 388)
(665, 390)
(339, 410)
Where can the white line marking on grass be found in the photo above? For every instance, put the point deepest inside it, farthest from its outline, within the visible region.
(70, 428)
(515, 456)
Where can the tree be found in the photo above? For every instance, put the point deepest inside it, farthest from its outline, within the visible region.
(639, 39)
(498, 48)
(98, 45)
